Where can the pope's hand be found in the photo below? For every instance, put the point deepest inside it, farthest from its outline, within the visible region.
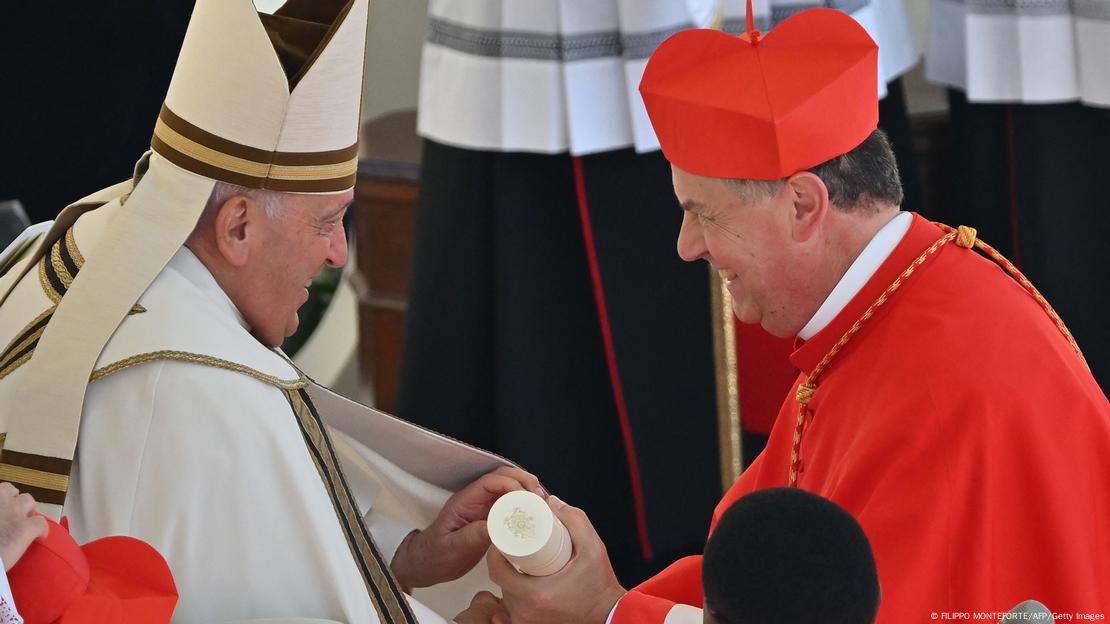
(19, 526)
(458, 539)
(485, 608)
(584, 591)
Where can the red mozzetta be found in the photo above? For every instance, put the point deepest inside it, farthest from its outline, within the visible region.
(964, 433)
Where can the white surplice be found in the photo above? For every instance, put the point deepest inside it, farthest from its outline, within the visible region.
(548, 77)
(1021, 51)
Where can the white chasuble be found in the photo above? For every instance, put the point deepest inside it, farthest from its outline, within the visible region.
(216, 451)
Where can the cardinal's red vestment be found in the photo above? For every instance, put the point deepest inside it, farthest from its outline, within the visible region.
(965, 434)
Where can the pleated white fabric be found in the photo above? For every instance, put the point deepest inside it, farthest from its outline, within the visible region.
(1027, 51)
(547, 77)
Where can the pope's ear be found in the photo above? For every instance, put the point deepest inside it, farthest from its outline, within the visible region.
(232, 228)
(811, 204)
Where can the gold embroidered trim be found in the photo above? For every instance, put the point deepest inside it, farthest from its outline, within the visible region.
(26, 335)
(54, 257)
(79, 261)
(61, 271)
(35, 478)
(314, 172)
(204, 360)
(74, 252)
(21, 341)
(7, 370)
(47, 287)
(206, 154)
(384, 590)
(20, 361)
(251, 168)
(60, 268)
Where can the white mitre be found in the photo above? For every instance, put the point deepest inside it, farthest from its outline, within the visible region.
(262, 101)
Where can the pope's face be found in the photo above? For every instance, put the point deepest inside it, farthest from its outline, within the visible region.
(294, 249)
(747, 242)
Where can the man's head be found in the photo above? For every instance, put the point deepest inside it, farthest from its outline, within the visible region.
(793, 114)
(782, 245)
(264, 248)
(262, 100)
(785, 556)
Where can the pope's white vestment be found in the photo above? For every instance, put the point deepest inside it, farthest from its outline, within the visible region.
(189, 442)
(133, 398)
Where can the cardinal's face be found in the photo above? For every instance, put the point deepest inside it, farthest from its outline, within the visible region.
(746, 237)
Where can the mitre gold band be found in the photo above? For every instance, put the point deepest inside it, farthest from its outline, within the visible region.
(204, 153)
(45, 478)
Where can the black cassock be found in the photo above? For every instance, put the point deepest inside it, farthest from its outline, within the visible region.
(506, 346)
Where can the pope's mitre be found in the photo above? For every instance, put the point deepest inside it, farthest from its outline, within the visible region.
(268, 101)
(262, 101)
(763, 107)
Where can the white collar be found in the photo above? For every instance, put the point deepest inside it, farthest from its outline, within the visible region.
(865, 265)
(192, 269)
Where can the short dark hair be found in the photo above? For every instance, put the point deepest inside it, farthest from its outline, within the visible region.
(857, 181)
(785, 556)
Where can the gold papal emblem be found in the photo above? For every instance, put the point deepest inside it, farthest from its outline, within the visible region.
(521, 524)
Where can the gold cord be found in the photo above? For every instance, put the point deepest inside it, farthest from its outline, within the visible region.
(964, 237)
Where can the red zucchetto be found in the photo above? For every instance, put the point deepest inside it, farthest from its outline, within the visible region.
(112, 580)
